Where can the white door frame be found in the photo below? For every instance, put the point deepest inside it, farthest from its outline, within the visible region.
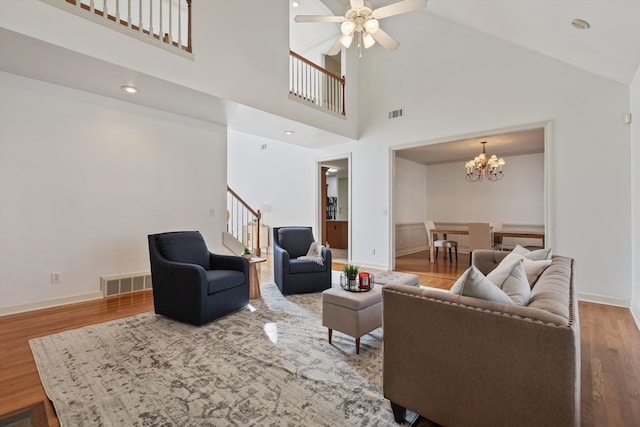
(320, 216)
(549, 226)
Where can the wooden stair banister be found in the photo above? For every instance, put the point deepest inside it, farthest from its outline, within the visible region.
(239, 217)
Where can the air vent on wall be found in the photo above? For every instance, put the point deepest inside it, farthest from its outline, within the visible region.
(124, 283)
(395, 113)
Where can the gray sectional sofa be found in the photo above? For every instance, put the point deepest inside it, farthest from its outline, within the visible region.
(463, 361)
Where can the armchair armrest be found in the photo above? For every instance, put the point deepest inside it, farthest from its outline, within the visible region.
(326, 255)
(228, 262)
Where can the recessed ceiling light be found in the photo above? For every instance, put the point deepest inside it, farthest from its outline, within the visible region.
(129, 89)
(295, 3)
(580, 24)
(289, 132)
(332, 170)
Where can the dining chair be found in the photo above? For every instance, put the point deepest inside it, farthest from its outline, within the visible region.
(438, 243)
(497, 240)
(480, 236)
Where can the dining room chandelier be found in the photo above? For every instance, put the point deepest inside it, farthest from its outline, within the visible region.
(481, 168)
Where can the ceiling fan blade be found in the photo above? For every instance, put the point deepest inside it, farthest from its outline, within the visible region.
(403, 6)
(357, 4)
(335, 49)
(317, 18)
(385, 40)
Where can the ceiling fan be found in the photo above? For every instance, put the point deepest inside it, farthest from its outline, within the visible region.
(361, 21)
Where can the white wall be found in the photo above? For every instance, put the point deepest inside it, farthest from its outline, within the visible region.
(84, 179)
(410, 192)
(474, 84)
(516, 199)
(470, 84)
(343, 199)
(282, 176)
(250, 66)
(635, 194)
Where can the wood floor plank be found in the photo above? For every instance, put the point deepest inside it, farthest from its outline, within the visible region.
(610, 345)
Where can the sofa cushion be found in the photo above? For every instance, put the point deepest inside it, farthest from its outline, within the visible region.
(295, 240)
(532, 268)
(536, 255)
(305, 266)
(221, 280)
(185, 247)
(473, 283)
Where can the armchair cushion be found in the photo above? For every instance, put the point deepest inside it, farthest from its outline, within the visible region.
(303, 266)
(295, 240)
(185, 247)
(221, 280)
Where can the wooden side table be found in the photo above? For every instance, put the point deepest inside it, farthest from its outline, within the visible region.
(254, 280)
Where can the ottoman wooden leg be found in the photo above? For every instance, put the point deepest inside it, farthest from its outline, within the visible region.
(357, 345)
(330, 334)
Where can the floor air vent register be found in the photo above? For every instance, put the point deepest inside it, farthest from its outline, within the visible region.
(124, 283)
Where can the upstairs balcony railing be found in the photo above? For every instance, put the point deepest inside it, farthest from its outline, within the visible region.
(312, 83)
(166, 23)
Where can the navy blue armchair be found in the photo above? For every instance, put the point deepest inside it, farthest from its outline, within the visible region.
(294, 276)
(191, 284)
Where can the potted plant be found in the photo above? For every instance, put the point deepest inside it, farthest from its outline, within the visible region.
(351, 274)
(247, 253)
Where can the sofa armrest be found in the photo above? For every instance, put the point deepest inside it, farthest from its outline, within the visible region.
(462, 361)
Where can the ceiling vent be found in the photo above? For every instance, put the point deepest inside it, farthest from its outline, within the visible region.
(395, 114)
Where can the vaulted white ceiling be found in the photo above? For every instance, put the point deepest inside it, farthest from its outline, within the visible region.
(609, 48)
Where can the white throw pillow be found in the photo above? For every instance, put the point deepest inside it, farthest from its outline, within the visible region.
(536, 255)
(473, 283)
(531, 268)
(516, 285)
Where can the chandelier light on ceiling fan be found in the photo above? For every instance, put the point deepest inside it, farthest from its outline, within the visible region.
(482, 168)
(361, 21)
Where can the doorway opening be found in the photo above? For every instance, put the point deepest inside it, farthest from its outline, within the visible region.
(334, 202)
(428, 182)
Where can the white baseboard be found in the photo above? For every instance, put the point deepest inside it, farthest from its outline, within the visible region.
(601, 299)
(365, 265)
(54, 302)
(411, 249)
(635, 312)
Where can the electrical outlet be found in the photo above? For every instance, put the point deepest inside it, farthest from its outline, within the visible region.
(212, 212)
(373, 251)
(56, 278)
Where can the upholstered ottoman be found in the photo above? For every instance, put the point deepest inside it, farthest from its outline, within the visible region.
(395, 278)
(352, 313)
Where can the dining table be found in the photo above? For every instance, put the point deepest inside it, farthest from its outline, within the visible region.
(465, 231)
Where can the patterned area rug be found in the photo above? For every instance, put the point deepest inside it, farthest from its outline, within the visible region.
(269, 364)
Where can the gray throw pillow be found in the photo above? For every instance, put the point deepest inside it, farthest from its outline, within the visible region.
(536, 255)
(531, 268)
(516, 285)
(473, 283)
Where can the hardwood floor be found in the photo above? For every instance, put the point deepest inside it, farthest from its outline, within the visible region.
(610, 345)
